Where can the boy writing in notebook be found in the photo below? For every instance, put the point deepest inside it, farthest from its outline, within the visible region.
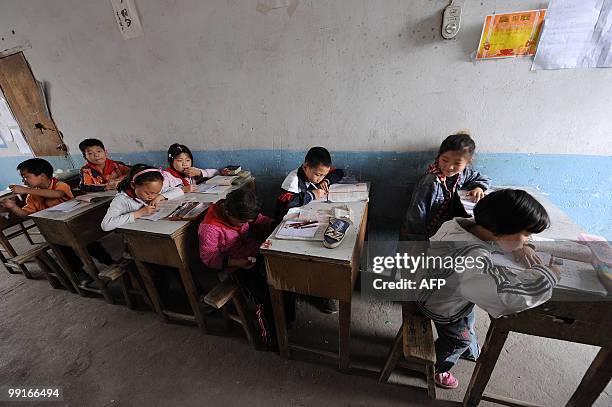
(45, 191)
(99, 173)
(309, 182)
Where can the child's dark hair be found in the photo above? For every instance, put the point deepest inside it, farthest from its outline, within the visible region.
(510, 211)
(458, 142)
(90, 142)
(318, 156)
(150, 176)
(175, 150)
(242, 204)
(36, 166)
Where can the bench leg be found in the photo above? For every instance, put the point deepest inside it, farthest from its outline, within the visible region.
(57, 271)
(392, 358)
(12, 253)
(241, 310)
(25, 232)
(125, 289)
(53, 281)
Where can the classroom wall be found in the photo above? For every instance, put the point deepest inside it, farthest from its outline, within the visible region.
(370, 79)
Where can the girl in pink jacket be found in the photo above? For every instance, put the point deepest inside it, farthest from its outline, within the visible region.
(230, 236)
(232, 231)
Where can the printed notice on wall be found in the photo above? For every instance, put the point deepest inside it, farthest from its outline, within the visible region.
(510, 35)
(576, 34)
(127, 18)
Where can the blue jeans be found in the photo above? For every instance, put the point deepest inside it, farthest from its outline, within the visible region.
(454, 340)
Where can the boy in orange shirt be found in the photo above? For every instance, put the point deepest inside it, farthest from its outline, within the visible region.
(100, 173)
(44, 190)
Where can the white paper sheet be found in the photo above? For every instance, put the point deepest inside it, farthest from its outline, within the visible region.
(212, 188)
(576, 34)
(67, 206)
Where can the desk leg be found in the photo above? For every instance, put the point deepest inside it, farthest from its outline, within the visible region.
(595, 380)
(65, 265)
(278, 308)
(496, 337)
(147, 280)
(92, 270)
(344, 333)
(190, 290)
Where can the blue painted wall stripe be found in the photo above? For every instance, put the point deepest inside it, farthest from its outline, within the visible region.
(581, 185)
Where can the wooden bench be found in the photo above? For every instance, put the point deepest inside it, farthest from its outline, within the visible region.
(129, 284)
(219, 296)
(52, 271)
(8, 251)
(415, 340)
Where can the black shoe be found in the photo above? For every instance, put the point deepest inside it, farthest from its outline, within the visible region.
(324, 305)
(83, 277)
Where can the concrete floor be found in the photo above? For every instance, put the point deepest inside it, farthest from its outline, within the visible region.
(108, 355)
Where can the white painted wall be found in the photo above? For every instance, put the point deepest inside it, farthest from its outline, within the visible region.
(350, 74)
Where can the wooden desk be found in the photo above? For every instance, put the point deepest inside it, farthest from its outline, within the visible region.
(567, 316)
(174, 244)
(306, 267)
(76, 229)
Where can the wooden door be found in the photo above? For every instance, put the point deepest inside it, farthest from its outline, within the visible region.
(27, 103)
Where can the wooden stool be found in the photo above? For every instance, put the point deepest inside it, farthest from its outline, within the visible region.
(130, 285)
(52, 271)
(219, 296)
(415, 340)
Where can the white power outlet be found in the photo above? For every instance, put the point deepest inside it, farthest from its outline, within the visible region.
(451, 21)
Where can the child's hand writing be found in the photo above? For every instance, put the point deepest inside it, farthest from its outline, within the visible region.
(527, 256)
(192, 172)
(190, 188)
(144, 211)
(18, 189)
(319, 193)
(555, 269)
(324, 185)
(157, 200)
(476, 194)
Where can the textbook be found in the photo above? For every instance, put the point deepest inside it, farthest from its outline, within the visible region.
(188, 211)
(231, 170)
(96, 196)
(222, 179)
(348, 192)
(300, 230)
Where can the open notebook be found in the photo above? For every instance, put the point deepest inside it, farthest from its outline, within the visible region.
(575, 275)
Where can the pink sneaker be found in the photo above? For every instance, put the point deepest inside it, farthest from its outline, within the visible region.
(446, 380)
